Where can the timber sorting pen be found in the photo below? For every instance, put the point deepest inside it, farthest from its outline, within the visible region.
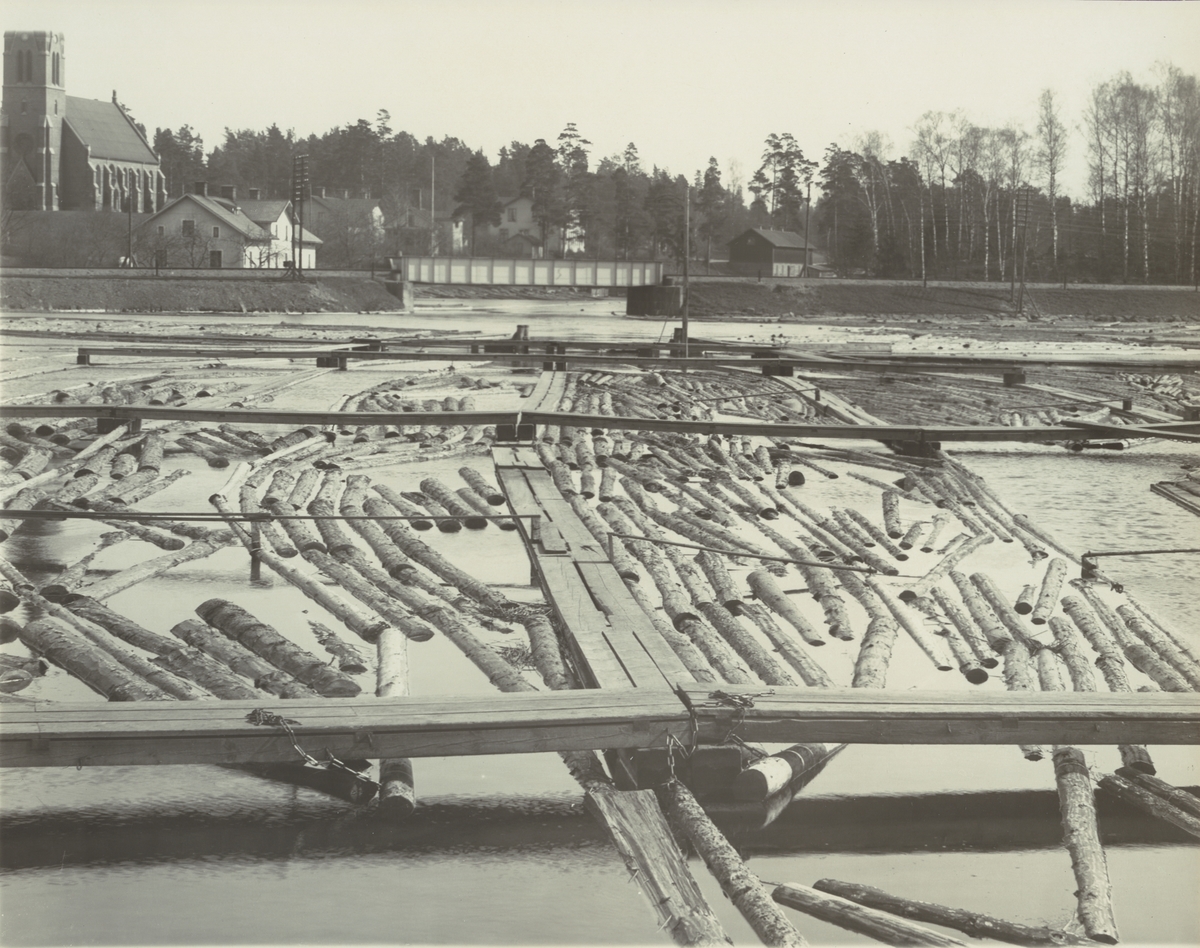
(708, 584)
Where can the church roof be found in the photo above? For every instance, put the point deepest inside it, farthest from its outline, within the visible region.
(107, 130)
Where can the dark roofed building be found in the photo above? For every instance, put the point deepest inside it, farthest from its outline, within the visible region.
(775, 253)
(62, 152)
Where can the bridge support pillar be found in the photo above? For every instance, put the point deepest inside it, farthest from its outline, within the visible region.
(1014, 377)
(783, 370)
(83, 358)
(1191, 412)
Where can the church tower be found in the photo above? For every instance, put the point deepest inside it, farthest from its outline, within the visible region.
(31, 119)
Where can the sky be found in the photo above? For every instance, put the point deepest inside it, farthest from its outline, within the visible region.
(682, 79)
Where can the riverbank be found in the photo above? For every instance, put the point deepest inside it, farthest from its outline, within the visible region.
(140, 295)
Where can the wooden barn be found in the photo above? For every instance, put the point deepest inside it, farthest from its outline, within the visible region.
(775, 253)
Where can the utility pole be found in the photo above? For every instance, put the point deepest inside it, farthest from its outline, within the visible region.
(1024, 195)
(299, 192)
(807, 212)
(687, 252)
(433, 205)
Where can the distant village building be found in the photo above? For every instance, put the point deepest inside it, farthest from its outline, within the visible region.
(206, 231)
(61, 152)
(773, 253)
(519, 233)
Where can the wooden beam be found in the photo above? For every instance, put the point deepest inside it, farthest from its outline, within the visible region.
(44, 734)
(959, 433)
(802, 715)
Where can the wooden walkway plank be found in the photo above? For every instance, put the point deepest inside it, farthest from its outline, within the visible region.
(41, 734)
(587, 627)
(846, 715)
(626, 617)
(540, 389)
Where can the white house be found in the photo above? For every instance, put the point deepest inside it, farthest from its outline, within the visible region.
(199, 230)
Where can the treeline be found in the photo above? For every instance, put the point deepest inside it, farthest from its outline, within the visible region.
(965, 202)
(972, 202)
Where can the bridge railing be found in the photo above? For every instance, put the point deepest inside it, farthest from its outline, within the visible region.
(507, 271)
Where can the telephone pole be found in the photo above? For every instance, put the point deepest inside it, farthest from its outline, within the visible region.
(299, 193)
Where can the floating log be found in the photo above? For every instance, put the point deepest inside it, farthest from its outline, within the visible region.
(389, 555)
(350, 660)
(209, 674)
(813, 465)
(164, 541)
(241, 660)
(197, 448)
(737, 882)
(624, 563)
(968, 662)
(121, 626)
(397, 793)
(433, 561)
(768, 775)
(811, 673)
(912, 536)
(876, 534)
(1025, 601)
(766, 589)
(403, 508)
(939, 572)
(343, 571)
(238, 624)
(937, 524)
(1150, 802)
(301, 492)
(693, 659)
(9, 600)
(870, 668)
(933, 646)
(68, 648)
(987, 587)
(891, 515)
(471, 499)
(854, 917)
(148, 569)
(1082, 840)
(974, 924)
(124, 464)
(966, 628)
(432, 487)
(1162, 645)
(1138, 654)
(714, 569)
(133, 490)
(1182, 799)
(1047, 598)
(745, 645)
(280, 487)
(25, 500)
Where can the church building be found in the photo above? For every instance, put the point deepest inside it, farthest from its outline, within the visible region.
(62, 152)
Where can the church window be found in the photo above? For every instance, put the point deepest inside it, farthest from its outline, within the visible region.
(216, 231)
(189, 228)
(214, 259)
(512, 214)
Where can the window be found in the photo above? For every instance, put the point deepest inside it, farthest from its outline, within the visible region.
(216, 231)
(512, 214)
(162, 231)
(214, 259)
(160, 257)
(189, 228)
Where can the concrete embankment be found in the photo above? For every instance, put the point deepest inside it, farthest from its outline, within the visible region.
(147, 295)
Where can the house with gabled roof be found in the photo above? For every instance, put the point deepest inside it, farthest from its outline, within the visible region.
(773, 253)
(198, 230)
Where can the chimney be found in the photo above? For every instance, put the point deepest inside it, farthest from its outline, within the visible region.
(254, 194)
(229, 192)
(200, 188)
(318, 192)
